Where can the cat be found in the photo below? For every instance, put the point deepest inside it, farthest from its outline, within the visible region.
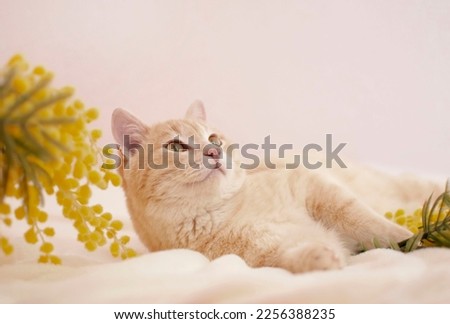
(299, 219)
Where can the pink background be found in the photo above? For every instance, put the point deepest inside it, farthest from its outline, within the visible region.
(376, 74)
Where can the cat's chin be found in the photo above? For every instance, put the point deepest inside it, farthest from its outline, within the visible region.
(214, 173)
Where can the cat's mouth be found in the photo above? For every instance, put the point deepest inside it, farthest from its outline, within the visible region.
(219, 166)
(211, 172)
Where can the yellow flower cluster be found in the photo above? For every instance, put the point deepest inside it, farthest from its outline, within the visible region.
(46, 146)
(413, 222)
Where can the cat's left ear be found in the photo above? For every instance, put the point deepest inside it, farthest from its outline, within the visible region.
(196, 111)
(125, 124)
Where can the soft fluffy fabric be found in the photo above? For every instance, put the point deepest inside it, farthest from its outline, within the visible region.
(183, 276)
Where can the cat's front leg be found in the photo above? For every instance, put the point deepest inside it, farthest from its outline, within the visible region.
(299, 246)
(337, 208)
(308, 246)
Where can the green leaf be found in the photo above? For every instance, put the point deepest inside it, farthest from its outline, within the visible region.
(394, 246)
(425, 213)
(56, 121)
(6, 84)
(27, 96)
(446, 198)
(53, 141)
(376, 243)
(45, 103)
(414, 242)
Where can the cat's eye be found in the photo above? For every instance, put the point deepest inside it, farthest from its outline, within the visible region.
(214, 139)
(177, 146)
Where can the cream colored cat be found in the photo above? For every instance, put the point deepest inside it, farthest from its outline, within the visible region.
(300, 220)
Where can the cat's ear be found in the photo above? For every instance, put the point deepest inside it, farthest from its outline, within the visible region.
(126, 128)
(196, 111)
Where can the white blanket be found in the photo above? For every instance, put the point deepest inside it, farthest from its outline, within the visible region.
(182, 276)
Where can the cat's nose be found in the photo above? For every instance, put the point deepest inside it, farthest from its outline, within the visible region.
(213, 151)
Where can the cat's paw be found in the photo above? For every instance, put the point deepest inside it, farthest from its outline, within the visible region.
(310, 257)
(399, 234)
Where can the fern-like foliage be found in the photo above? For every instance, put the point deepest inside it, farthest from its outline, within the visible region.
(47, 148)
(435, 229)
(23, 130)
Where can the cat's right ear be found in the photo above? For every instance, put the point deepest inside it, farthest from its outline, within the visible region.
(196, 111)
(126, 128)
